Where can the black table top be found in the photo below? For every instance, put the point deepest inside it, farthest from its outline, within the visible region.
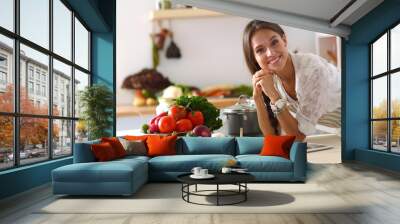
(220, 178)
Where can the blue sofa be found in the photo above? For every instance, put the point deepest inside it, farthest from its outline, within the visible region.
(125, 176)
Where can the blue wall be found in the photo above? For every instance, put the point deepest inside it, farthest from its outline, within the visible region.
(356, 73)
(99, 16)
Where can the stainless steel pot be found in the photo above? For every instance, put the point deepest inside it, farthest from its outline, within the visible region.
(241, 118)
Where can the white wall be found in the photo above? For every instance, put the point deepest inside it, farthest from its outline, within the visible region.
(211, 48)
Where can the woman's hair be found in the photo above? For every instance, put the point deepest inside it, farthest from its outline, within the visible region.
(251, 28)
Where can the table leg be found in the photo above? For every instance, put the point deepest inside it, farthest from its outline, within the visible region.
(196, 188)
(217, 194)
(245, 193)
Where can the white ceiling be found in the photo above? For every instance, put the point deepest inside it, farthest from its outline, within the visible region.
(314, 15)
(321, 9)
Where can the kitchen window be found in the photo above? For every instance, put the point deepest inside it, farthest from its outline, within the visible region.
(385, 94)
(45, 44)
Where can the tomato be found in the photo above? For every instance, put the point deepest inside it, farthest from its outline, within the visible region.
(166, 124)
(177, 112)
(184, 125)
(196, 117)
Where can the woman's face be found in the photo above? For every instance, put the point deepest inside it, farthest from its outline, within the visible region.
(269, 49)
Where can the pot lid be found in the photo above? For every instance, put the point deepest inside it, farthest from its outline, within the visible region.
(243, 105)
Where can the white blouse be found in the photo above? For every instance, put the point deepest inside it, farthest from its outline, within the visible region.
(318, 91)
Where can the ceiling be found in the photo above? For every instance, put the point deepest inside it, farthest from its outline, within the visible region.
(326, 16)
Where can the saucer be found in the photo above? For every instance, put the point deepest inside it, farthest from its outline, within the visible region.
(208, 176)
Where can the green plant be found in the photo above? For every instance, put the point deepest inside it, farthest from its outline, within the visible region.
(209, 111)
(96, 102)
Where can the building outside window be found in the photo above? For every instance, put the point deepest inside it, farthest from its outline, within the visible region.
(30, 87)
(58, 139)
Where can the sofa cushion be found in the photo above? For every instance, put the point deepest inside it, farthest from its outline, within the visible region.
(83, 152)
(185, 163)
(257, 163)
(112, 171)
(206, 145)
(249, 145)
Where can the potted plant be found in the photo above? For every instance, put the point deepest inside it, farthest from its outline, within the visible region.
(96, 103)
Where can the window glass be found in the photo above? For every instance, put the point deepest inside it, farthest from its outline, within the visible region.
(33, 140)
(39, 62)
(35, 21)
(379, 56)
(379, 135)
(7, 14)
(81, 45)
(395, 94)
(395, 138)
(62, 29)
(395, 47)
(6, 142)
(62, 91)
(6, 74)
(379, 97)
(62, 138)
(81, 82)
(81, 131)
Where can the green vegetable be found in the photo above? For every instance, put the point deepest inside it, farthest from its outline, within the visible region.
(242, 90)
(185, 89)
(148, 94)
(210, 112)
(145, 128)
(155, 54)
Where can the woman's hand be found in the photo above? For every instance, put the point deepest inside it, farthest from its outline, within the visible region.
(263, 80)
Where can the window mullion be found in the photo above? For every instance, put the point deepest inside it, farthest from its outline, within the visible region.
(73, 82)
(16, 83)
(50, 81)
(389, 104)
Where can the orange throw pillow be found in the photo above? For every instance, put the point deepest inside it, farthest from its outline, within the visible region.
(103, 152)
(136, 138)
(116, 145)
(277, 146)
(161, 145)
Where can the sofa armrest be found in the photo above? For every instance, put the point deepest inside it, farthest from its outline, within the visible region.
(83, 152)
(298, 155)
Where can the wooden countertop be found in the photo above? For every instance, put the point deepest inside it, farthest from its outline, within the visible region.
(129, 110)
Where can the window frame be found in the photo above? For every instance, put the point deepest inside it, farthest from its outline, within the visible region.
(16, 114)
(388, 74)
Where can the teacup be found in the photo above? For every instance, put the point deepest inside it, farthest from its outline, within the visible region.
(196, 170)
(203, 172)
(226, 170)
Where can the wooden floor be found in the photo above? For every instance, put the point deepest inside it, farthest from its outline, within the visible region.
(377, 188)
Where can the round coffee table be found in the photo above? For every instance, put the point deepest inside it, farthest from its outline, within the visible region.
(238, 179)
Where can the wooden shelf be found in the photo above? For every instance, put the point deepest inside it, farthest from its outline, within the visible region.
(149, 110)
(182, 13)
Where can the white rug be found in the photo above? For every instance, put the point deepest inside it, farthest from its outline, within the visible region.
(166, 198)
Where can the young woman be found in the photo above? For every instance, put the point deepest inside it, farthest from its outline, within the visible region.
(292, 92)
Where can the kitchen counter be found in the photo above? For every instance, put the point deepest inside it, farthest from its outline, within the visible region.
(129, 110)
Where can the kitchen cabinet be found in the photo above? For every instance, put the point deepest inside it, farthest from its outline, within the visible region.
(182, 13)
(151, 110)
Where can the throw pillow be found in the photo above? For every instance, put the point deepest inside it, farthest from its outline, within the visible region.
(116, 145)
(277, 146)
(136, 137)
(103, 151)
(161, 145)
(137, 148)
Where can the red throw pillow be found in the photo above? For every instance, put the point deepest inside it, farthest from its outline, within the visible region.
(161, 145)
(277, 146)
(136, 138)
(116, 145)
(103, 152)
